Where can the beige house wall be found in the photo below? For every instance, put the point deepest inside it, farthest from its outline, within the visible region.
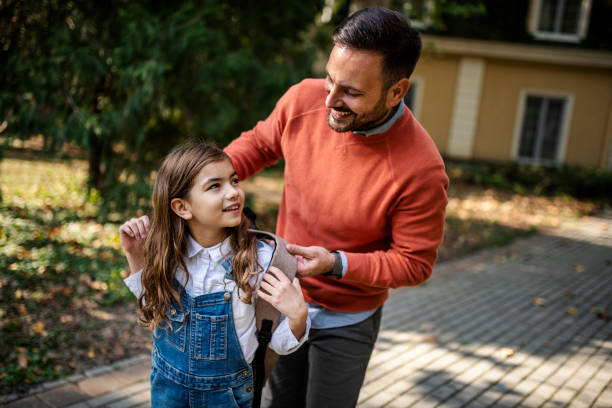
(508, 72)
(438, 76)
(590, 89)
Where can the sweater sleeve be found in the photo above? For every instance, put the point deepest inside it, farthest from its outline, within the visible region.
(261, 146)
(417, 229)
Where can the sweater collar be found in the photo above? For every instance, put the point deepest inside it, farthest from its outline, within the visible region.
(383, 127)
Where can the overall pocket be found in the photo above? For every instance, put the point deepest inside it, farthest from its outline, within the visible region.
(175, 331)
(211, 337)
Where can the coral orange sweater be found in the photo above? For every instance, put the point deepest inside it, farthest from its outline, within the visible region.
(380, 199)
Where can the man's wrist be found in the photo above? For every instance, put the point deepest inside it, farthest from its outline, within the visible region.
(336, 271)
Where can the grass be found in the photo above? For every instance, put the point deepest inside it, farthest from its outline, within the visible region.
(62, 270)
(64, 307)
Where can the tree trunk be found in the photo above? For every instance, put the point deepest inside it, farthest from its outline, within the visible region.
(96, 170)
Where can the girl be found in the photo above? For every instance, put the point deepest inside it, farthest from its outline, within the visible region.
(195, 274)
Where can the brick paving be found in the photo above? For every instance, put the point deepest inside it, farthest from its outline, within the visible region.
(510, 327)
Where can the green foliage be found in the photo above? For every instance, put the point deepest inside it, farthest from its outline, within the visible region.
(128, 80)
(58, 264)
(577, 182)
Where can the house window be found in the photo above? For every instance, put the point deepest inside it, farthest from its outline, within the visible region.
(414, 95)
(559, 20)
(542, 129)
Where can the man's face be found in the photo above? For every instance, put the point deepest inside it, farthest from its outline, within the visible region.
(357, 97)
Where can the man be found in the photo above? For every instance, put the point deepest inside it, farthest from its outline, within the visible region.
(363, 180)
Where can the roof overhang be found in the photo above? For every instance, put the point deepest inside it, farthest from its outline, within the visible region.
(517, 52)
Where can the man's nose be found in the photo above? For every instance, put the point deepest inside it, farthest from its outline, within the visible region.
(333, 98)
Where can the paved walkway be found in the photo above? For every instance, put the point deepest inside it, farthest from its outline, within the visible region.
(521, 326)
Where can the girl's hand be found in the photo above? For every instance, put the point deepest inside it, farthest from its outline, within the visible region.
(276, 289)
(133, 234)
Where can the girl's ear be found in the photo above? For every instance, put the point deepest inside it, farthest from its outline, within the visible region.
(181, 208)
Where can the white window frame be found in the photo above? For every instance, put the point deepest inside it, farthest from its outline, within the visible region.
(534, 20)
(563, 131)
(417, 100)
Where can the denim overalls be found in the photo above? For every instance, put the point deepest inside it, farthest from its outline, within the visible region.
(199, 362)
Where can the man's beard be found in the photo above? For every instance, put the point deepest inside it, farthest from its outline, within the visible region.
(379, 114)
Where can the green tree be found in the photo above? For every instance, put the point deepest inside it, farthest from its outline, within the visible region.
(126, 80)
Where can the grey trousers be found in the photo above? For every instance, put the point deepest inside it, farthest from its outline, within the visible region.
(327, 371)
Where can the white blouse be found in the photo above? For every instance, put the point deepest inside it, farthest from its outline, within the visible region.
(207, 275)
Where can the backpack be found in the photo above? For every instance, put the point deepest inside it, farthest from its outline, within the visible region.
(267, 317)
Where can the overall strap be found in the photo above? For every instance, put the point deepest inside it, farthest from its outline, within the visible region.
(267, 316)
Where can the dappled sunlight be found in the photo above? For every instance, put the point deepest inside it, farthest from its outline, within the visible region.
(505, 323)
(513, 210)
(65, 308)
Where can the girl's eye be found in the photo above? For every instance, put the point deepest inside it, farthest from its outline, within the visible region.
(213, 186)
(235, 181)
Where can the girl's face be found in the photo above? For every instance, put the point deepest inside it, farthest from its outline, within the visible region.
(214, 202)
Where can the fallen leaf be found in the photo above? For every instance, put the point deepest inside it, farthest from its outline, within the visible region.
(507, 352)
(571, 311)
(18, 294)
(500, 259)
(13, 267)
(431, 339)
(53, 232)
(601, 312)
(39, 328)
(579, 268)
(22, 359)
(538, 301)
(91, 353)
(604, 227)
(97, 285)
(22, 309)
(106, 256)
(85, 279)
(118, 349)
(428, 327)
(570, 294)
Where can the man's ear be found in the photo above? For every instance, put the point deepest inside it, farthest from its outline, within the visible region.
(397, 91)
(181, 208)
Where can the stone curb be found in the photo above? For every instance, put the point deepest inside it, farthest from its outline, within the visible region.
(74, 379)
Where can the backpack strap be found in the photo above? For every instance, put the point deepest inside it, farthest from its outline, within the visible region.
(267, 317)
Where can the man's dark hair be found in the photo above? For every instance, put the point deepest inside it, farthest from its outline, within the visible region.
(385, 32)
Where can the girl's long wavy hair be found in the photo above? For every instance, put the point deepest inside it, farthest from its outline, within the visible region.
(165, 247)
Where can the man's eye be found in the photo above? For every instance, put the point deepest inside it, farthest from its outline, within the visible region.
(327, 84)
